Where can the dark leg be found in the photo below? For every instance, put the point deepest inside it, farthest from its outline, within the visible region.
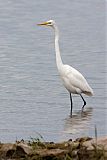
(83, 101)
(71, 103)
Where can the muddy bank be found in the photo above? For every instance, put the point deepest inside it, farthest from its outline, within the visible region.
(81, 149)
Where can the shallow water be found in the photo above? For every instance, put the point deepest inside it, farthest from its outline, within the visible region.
(32, 98)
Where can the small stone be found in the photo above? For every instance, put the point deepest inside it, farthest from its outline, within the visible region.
(70, 140)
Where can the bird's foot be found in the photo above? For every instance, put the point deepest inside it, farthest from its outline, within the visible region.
(83, 108)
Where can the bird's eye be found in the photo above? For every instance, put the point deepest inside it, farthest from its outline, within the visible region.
(49, 22)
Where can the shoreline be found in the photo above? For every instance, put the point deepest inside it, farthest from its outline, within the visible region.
(84, 148)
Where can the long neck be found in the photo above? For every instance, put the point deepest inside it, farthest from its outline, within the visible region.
(57, 50)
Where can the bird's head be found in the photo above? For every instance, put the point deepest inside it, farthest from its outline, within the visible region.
(50, 23)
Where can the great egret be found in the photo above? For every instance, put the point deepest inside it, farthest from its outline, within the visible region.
(72, 79)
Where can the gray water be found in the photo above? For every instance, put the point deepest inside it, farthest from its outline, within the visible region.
(33, 100)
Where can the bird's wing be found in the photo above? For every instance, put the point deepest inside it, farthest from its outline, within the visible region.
(76, 79)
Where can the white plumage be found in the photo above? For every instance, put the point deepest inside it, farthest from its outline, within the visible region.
(72, 79)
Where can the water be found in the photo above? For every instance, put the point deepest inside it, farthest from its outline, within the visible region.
(32, 98)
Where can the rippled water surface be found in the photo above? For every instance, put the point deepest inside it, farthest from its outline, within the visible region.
(32, 98)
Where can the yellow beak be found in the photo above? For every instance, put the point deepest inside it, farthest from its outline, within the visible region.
(44, 23)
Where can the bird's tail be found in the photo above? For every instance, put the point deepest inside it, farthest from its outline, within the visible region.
(89, 93)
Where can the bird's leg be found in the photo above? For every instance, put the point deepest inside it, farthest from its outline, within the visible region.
(71, 103)
(83, 101)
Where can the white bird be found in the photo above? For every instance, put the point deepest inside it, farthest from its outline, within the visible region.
(72, 79)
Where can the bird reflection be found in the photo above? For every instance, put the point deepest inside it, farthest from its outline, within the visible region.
(78, 122)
